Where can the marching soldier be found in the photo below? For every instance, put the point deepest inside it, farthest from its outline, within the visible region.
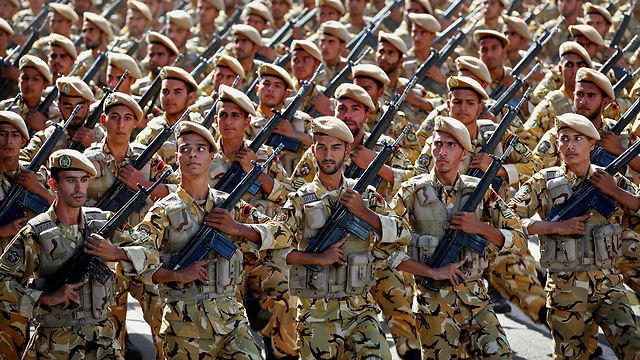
(246, 42)
(279, 9)
(328, 10)
(258, 16)
(179, 25)
(138, 21)
(305, 59)
(518, 34)
(570, 9)
(226, 70)
(354, 19)
(61, 22)
(96, 32)
(61, 56)
(161, 52)
(332, 41)
(205, 29)
(491, 19)
(116, 66)
(412, 7)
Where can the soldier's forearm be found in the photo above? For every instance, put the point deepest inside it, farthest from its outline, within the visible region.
(386, 173)
(267, 183)
(249, 233)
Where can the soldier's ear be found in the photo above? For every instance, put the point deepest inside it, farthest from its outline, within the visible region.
(592, 143)
(464, 154)
(103, 118)
(53, 184)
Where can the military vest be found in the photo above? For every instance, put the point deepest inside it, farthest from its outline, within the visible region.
(560, 103)
(598, 249)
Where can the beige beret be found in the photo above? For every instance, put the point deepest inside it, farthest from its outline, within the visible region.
(15, 120)
(38, 64)
(75, 87)
(475, 65)
(102, 23)
(354, 92)
(334, 4)
(307, 46)
(578, 123)
(217, 4)
(454, 127)
(590, 8)
(336, 29)
(260, 9)
(275, 70)
(481, 34)
(518, 25)
(238, 97)
(66, 11)
(394, 40)
(247, 31)
(587, 31)
(67, 159)
(455, 82)
(64, 43)
(118, 98)
(15, 3)
(173, 72)
(230, 62)
(4, 26)
(140, 7)
(371, 71)
(125, 62)
(598, 78)
(156, 37)
(332, 126)
(575, 48)
(190, 126)
(180, 18)
(426, 4)
(425, 21)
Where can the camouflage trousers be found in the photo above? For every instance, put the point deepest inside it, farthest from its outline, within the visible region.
(90, 341)
(208, 329)
(393, 293)
(577, 300)
(13, 335)
(447, 323)
(629, 263)
(346, 328)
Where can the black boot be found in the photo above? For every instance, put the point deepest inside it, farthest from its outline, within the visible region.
(258, 317)
(412, 355)
(130, 350)
(268, 349)
(500, 304)
(542, 315)
(596, 353)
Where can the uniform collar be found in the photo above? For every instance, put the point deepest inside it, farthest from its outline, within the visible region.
(322, 192)
(191, 202)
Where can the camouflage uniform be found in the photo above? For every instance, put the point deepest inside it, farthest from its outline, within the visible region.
(583, 287)
(456, 317)
(412, 112)
(409, 143)
(337, 317)
(412, 63)
(249, 75)
(28, 152)
(557, 102)
(632, 29)
(52, 113)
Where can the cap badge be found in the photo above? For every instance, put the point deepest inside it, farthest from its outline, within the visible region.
(64, 161)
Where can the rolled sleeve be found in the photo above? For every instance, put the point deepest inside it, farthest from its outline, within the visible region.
(28, 302)
(512, 173)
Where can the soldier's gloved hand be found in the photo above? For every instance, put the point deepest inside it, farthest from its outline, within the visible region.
(450, 272)
(221, 219)
(12, 228)
(611, 142)
(85, 136)
(131, 176)
(103, 248)
(354, 203)
(467, 222)
(604, 181)
(362, 156)
(36, 120)
(63, 296)
(196, 271)
(29, 180)
(573, 226)
(334, 254)
(244, 157)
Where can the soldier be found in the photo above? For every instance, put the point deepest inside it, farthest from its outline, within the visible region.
(161, 52)
(598, 17)
(519, 35)
(138, 21)
(246, 42)
(634, 24)
(459, 316)
(6, 32)
(424, 28)
(279, 9)
(305, 59)
(61, 56)
(205, 29)
(61, 23)
(354, 19)
(258, 16)
(96, 32)
(491, 20)
(581, 282)
(116, 66)
(43, 247)
(226, 70)
(570, 9)
(179, 25)
(412, 7)
(332, 43)
(328, 10)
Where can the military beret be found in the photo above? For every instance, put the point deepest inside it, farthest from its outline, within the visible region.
(140, 7)
(217, 4)
(102, 23)
(575, 48)
(307, 46)
(190, 126)
(118, 98)
(332, 126)
(4, 26)
(504, 3)
(454, 127)
(238, 97)
(334, 4)
(63, 42)
(75, 87)
(354, 92)
(15, 120)
(260, 9)
(180, 18)
(371, 71)
(475, 65)
(481, 34)
(230, 62)
(247, 31)
(66, 11)
(519, 26)
(173, 72)
(590, 8)
(15, 3)
(426, 4)
(336, 29)
(156, 37)
(38, 64)
(578, 123)
(394, 40)
(125, 62)
(598, 78)
(425, 21)
(67, 159)
(587, 31)
(465, 82)
(275, 70)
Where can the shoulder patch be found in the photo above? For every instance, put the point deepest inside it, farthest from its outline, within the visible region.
(283, 215)
(144, 230)
(423, 160)
(247, 209)
(379, 200)
(544, 147)
(305, 170)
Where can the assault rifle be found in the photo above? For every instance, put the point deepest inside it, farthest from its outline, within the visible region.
(279, 35)
(448, 250)
(365, 37)
(301, 23)
(455, 26)
(611, 62)
(98, 64)
(136, 43)
(154, 88)
(14, 101)
(204, 60)
(510, 93)
(624, 81)
(92, 120)
(342, 221)
(208, 120)
(19, 197)
(452, 9)
(53, 94)
(611, 5)
(112, 9)
(5, 87)
(602, 157)
(623, 25)
(82, 263)
(512, 6)
(5, 60)
(534, 14)
(208, 238)
(119, 192)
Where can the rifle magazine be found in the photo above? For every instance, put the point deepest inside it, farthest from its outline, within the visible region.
(99, 270)
(358, 227)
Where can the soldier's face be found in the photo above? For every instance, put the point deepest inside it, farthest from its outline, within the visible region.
(243, 48)
(514, 38)
(422, 38)
(136, 23)
(231, 120)
(154, 6)
(353, 113)
(413, 7)
(491, 52)
(272, 91)
(193, 155)
(119, 122)
(174, 96)
(60, 25)
(80, 6)
(327, 13)
(7, 9)
(279, 8)
(330, 47)
(355, 7)
(491, 9)
(303, 64)
(588, 100)
(223, 75)
(569, 66)
(591, 47)
(113, 77)
(31, 82)
(446, 152)
(206, 13)
(178, 35)
(388, 57)
(68, 104)
(598, 22)
(464, 105)
(256, 22)
(370, 87)
(71, 187)
(60, 62)
(574, 146)
(330, 153)
(11, 141)
(569, 7)
(158, 55)
(93, 36)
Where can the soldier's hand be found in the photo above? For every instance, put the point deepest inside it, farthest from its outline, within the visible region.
(221, 219)
(103, 248)
(244, 157)
(196, 271)
(85, 136)
(322, 103)
(604, 181)
(36, 120)
(63, 296)
(334, 254)
(362, 156)
(611, 142)
(268, 53)
(11, 72)
(284, 128)
(29, 180)
(451, 272)
(481, 161)
(12, 228)
(436, 75)
(466, 221)
(353, 201)
(507, 80)
(573, 226)
(298, 33)
(131, 176)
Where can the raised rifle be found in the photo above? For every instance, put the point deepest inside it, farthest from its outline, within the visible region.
(19, 197)
(208, 120)
(534, 14)
(279, 35)
(512, 6)
(602, 157)
(342, 221)
(154, 88)
(208, 238)
(623, 25)
(624, 81)
(92, 120)
(510, 93)
(14, 101)
(611, 62)
(5, 87)
(5, 60)
(97, 65)
(119, 192)
(136, 44)
(360, 41)
(204, 60)
(611, 5)
(301, 22)
(448, 249)
(39, 19)
(113, 8)
(455, 26)
(53, 94)
(452, 9)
